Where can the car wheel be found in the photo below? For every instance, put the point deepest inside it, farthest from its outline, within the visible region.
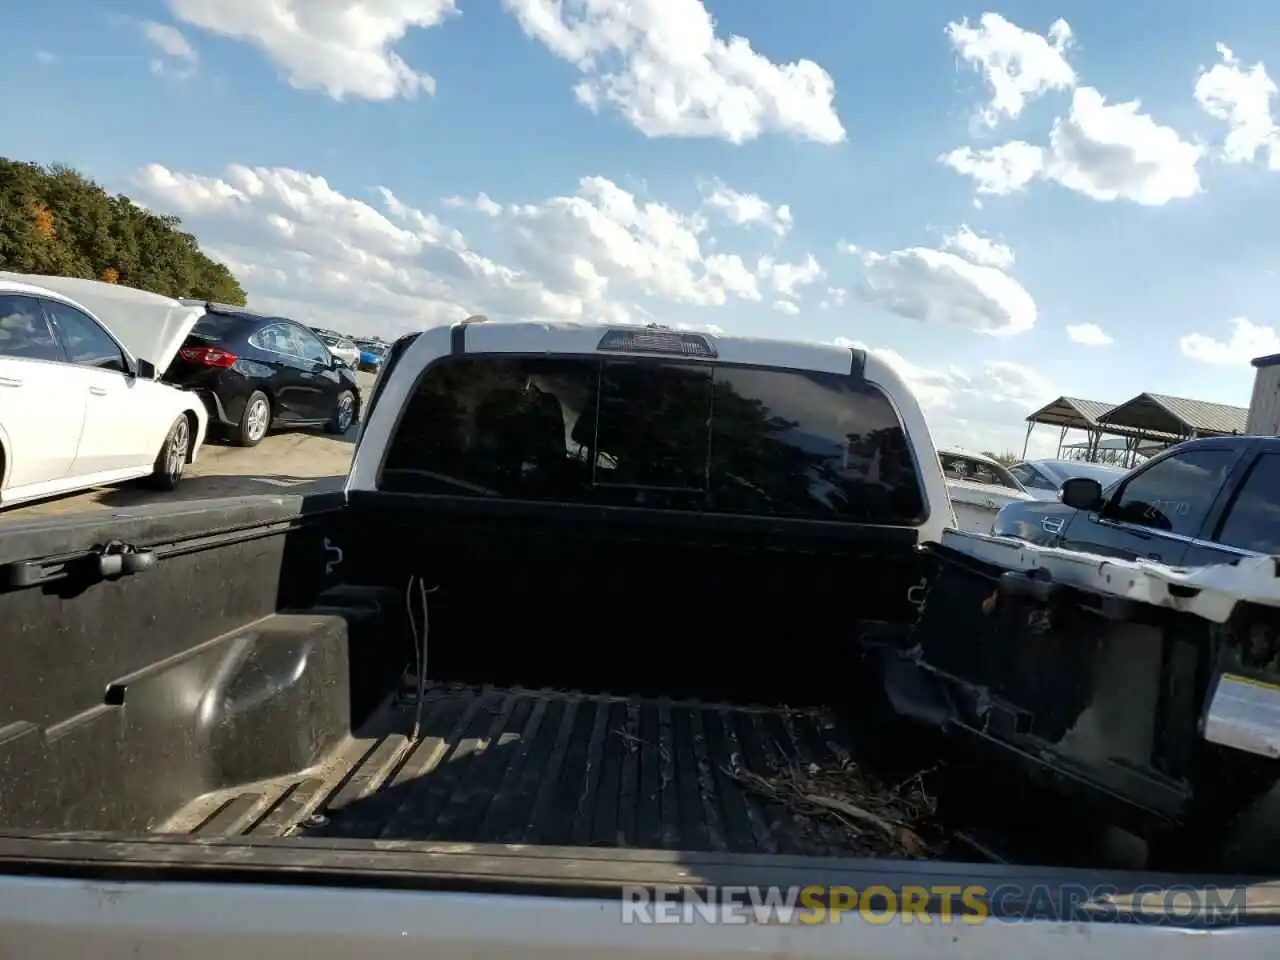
(254, 422)
(344, 413)
(172, 459)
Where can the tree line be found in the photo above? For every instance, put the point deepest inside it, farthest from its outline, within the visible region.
(54, 220)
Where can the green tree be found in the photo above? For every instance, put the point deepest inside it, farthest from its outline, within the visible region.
(54, 220)
(1007, 459)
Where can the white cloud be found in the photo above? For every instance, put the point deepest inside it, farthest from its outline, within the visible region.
(482, 203)
(341, 47)
(999, 170)
(180, 58)
(1112, 151)
(1241, 97)
(1019, 66)
(604, 233)
(1106, 151)
(595, 255)
(940, 287)
(978, 249)
(168, 39)
(835, 297)
(487, 206)
(1247, 341)
(789, 278)
(1089, 335)
(46, 57)
(661, 66)
(746, 209)
(189, 193)
(982, 409)
(787, 307)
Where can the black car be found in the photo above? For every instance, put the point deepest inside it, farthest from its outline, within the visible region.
(1198, 503)
(256, 372)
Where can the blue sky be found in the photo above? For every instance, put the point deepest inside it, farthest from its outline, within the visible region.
(960, 187)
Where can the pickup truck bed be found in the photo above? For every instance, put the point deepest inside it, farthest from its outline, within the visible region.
(550, 767)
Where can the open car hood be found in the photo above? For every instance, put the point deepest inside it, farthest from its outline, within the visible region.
(150, 326)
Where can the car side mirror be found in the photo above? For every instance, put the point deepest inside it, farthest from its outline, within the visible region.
(144, 370)
(1082, 493)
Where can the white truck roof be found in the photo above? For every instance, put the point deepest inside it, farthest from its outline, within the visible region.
(585, 339)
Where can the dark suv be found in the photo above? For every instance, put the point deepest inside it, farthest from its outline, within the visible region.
(257, 372)
(1201, 502)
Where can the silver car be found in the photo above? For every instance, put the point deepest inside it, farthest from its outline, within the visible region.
(343, 349)
(1043, 478)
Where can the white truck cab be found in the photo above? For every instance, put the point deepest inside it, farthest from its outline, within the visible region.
(845, 413)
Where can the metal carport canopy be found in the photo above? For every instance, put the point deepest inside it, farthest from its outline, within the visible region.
(1075, 413)
(1071, 412)
(1158, 416)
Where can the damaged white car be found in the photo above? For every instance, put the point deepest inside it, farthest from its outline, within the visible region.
(81, 404)
(978, 486)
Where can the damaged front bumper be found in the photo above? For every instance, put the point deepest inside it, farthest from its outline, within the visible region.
(1142, 689)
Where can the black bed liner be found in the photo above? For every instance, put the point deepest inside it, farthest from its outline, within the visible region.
(550, 768)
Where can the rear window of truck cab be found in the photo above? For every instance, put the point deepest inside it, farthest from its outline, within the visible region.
(658, 434)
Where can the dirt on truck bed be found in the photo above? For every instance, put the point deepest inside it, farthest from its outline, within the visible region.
(570, 769)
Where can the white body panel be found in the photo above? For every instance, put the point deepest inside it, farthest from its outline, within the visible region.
(41, 448)
(1210, 592)
(123, 417)
(74, 919)
(67, 426)
(527, 337)
(976, 504)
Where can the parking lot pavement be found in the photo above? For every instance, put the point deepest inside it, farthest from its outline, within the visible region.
(295, 461)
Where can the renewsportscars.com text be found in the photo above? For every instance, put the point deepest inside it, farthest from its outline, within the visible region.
(1010, 903)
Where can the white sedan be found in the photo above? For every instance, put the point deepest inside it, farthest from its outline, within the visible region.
(81, 403)
(978, 486)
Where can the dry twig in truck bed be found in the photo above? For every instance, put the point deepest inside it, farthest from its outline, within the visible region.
(879, 820)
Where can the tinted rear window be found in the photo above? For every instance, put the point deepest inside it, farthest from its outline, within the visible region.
(217, 326)
(656, 434)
